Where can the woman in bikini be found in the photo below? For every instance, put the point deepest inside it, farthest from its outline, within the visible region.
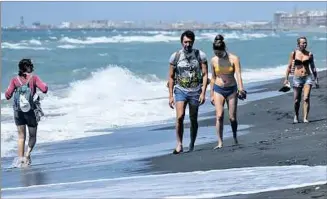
(303, 78)
(224, 86)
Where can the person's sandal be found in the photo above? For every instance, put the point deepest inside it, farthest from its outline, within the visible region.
(178, 152)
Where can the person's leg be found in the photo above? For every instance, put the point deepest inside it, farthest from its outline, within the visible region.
(21, 140)
(297, 102)
(297, 89)
(306, 101)
(180, 114)
(180, 105)
(31, 142)
(21, 128)
(232, 109)
(32, 130)
(219, 101)
(193, 112)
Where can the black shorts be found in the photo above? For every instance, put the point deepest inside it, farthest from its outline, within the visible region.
(27, 118)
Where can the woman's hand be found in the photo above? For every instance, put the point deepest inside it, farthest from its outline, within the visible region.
(286, 82)
(212, 100)
(316, 83)
(241, 94)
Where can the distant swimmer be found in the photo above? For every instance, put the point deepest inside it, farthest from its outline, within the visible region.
(224, 87)
(26, 107)
(298, 64)
(187, 81)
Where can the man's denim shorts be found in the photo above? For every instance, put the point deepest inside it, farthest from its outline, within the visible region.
(192, 97)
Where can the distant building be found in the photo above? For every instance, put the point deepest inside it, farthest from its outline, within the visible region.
(22, 22)
(177, 25)
(318, 18)
(300, 19)
(99, 24)
(277, 17)
(128, 24)
(111, 24)
(257, 24)
(36, 24)
(232, 24)
(65, 25)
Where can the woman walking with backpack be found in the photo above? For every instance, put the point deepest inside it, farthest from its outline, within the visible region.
(24, 87)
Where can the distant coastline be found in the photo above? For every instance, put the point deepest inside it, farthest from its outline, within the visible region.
(314, 29)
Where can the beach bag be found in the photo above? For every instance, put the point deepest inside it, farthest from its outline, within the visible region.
(38, 110)
(242, 94)
(23, 98)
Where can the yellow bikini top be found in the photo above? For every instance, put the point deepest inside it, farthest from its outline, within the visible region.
(223, 70)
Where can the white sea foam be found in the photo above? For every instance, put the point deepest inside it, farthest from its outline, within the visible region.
(266, 73)
(120, 39)
(198, 184)
(110, 97)
(35, 42)
(237, 36)
(160, 37)
(20, 46)
(3, 96)
(320, 38)
(67, 46)
(103, 54)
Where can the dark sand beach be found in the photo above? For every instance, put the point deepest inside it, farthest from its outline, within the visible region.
(273, 140)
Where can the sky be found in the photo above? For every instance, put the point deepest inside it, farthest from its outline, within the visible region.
(57, 12)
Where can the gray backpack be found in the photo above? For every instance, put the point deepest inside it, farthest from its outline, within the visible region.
(23, 99)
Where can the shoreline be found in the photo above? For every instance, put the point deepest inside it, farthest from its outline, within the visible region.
(314, 191)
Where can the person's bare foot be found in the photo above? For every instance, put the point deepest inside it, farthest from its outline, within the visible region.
(235, 141)
(18, 162)
(191, 148)
(296, 120)
(219, 146)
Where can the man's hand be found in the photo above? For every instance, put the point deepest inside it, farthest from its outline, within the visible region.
(202, 98)
(171, 102)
